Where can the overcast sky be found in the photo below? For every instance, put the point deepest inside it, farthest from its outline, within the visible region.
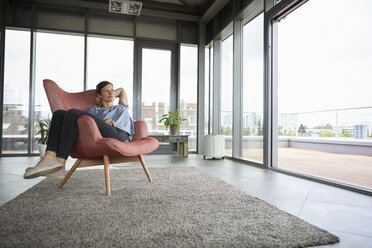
(325, 56)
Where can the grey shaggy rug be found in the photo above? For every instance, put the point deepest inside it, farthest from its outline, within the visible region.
(182, 207)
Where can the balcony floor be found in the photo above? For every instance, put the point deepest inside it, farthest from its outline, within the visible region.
(349, 168)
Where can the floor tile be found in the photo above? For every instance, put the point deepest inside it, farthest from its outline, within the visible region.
(341, 218)
(286, 204)
(272, 188)
(12, 190)
(340, 196)
(349, 241)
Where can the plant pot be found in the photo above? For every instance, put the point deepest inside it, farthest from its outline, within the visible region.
(174, 130)
(42, 149)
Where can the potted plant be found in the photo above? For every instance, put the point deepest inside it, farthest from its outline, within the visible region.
(44, 125)
(172, 120)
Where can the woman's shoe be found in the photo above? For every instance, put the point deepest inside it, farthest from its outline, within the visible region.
(60, 174)
(43, 168)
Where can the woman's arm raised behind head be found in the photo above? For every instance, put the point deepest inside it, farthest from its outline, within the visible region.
(120, 92)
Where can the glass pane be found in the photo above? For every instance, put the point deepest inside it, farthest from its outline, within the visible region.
(206, 92)
(188, 93)
(324, 91)
(16, 91)
(226, 92)
(253, 89)
(111, 60)
(59, 57)
(156, 77)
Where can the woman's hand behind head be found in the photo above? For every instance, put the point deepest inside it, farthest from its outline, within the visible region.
(99, 102)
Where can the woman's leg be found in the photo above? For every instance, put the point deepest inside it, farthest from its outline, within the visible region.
(69, 132)
(54, 163)
(61, 144)
(55, 130)
(55, 136)
(54, 139)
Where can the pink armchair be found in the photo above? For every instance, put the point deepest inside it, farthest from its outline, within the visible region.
(91, 148)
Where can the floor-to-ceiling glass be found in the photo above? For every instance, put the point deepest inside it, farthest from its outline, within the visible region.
(252, 146)
(226, 92)
(324, 118)
(111, 59)
(59, 57)
(211, 89)
(189, 92)
(16, 91)
(206, 91)
(156, 82)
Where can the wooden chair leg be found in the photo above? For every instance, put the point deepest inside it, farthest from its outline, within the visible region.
(72, 170)
(106, 161)
(144, 167)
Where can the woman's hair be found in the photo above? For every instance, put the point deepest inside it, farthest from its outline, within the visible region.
(101, 85)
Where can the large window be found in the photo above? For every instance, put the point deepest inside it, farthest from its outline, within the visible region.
(226, 92)
(207, 91)
(252, 147)
(188, 92)
(324, 118)
(211, 90)
(111, 60)
(156, 82)
(59, 57)
(16, 91)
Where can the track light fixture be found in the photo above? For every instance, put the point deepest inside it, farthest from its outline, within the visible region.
(125, 7)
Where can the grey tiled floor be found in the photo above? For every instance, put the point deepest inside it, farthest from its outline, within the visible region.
(343, 213)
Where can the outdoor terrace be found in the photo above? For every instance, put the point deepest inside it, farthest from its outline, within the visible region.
(346, 160)
(350, 168)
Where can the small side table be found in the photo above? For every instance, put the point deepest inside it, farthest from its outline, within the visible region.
(181, 140)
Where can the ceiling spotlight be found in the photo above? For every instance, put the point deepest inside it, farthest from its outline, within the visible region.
(125, 7)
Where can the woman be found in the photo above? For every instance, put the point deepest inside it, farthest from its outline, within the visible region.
(113, 121)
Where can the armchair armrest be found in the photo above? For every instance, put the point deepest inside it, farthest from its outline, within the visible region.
(89, 135)
(88, 130)
(140, 130)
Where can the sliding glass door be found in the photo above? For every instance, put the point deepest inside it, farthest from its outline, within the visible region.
(156, 72)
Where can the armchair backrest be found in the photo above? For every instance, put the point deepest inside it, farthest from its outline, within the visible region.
(60, 99)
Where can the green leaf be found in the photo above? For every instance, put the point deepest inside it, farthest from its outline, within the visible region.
(171, 119)
(44, 125)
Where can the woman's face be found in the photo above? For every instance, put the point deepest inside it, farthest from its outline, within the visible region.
(107, 93)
